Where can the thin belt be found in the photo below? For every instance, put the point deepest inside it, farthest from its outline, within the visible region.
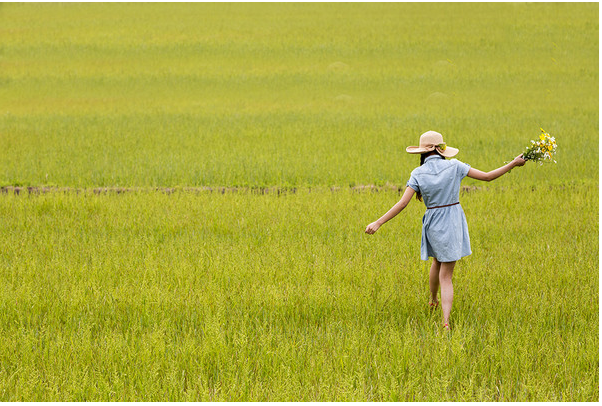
(445, 205)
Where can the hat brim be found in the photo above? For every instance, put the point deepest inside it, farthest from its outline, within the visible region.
(417, 150)
(448, 152)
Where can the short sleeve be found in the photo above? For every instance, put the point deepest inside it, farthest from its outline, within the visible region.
(462, 169)
(413, 183)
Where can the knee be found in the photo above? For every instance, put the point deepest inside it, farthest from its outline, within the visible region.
(445, 278)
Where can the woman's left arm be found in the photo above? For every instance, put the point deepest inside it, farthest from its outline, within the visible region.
(394, 211)
(496, 173)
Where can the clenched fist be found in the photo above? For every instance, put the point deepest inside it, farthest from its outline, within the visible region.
(372, 227)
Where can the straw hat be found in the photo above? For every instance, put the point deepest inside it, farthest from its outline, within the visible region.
(431, 140)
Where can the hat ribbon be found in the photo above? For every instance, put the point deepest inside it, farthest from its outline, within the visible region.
(431, 147)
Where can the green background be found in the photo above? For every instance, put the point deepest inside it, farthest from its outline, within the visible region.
(240, 296)
(290, 94)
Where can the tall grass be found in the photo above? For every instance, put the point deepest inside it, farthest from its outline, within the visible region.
(239, 296)
(296, 94)
(147, 296)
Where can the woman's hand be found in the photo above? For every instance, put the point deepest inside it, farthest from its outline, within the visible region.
(519, 161)
(372, 227)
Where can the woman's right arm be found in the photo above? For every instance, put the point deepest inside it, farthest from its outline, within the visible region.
(394, 211)
(496, 173)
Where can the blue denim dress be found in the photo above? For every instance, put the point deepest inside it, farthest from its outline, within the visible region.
(444, 230)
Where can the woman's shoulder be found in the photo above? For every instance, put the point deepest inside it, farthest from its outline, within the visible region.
(462, 168)
(458, 162)
(416, 171)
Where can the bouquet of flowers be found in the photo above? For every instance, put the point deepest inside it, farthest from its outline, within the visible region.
(541, 150)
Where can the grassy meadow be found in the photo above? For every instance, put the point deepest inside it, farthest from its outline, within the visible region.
(281, 296)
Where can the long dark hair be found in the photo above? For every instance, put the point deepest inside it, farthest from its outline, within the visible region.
(422, 158)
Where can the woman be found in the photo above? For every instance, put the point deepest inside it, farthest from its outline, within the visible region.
(444, 229)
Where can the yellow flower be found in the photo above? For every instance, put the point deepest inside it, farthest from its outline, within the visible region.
(542, 137)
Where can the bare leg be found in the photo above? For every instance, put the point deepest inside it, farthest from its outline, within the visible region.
(447, 289)
(434, 280)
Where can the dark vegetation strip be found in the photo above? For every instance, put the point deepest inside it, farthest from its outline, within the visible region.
(36, 190)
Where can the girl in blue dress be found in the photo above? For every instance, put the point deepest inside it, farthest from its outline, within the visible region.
(444, 230)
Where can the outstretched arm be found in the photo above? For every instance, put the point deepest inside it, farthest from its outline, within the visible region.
(394, 211)
(496, 173)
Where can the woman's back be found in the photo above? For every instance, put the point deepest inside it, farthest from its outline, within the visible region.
(438, 180)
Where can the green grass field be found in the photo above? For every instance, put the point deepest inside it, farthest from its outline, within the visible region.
(190, 295)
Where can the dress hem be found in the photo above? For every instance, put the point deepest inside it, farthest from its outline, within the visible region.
(452, 260)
